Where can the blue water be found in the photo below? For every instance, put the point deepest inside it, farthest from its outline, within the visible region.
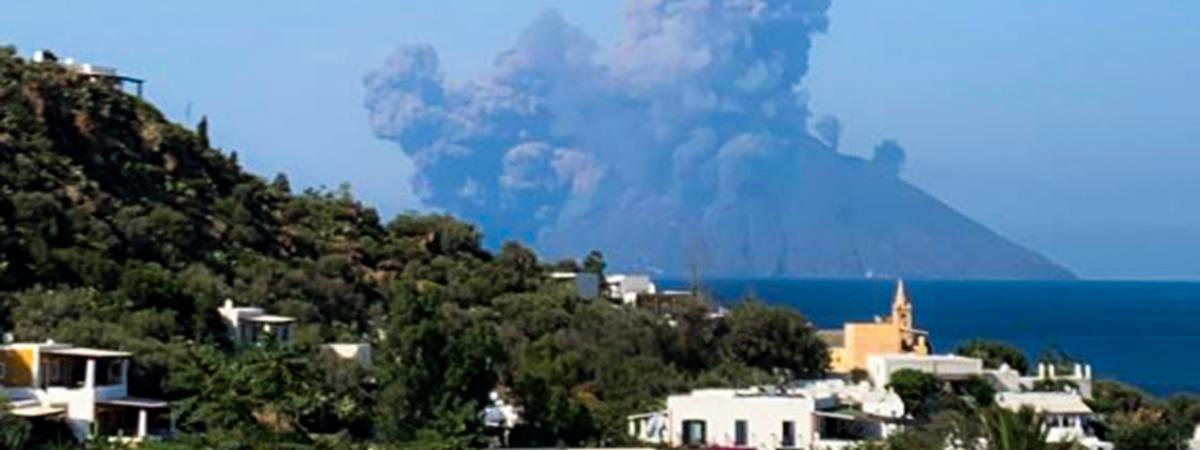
(1143, 333)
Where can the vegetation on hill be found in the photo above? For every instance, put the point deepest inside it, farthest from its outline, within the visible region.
(119, 229)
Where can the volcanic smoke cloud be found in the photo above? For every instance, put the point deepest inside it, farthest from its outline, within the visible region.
(686, 146)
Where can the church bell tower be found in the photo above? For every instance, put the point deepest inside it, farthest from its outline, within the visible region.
(902, 308)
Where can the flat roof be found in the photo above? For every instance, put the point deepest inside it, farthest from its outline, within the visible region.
(135, 402)
(841, 413)
(919, 357)
(1044, 402)
(35, 411)
(269, 318)
(87, 352)
(27, 345)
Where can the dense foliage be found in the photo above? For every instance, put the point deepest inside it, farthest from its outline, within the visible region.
(1139, 421)
(121, 230)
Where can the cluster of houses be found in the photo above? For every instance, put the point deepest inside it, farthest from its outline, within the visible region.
(836, 413)
(87, 389)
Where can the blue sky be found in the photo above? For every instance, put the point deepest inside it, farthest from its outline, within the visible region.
(1067, 125)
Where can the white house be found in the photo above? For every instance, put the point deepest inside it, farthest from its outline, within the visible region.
(627, 288)
(250, 324)
(1079, 376)
(358, 352)
(587, 285)
(90, 71)
(825, 414)
(87, 388)
(1066, 415)
(948, 367)
(1194, 444)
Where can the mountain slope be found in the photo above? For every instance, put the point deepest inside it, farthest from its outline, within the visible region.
(99, 191)
(839, 216)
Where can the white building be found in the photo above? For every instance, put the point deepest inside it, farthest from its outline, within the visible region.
(359, 353)
(627, 288)
(91, 71)
(87, 388)
(826, 414)
(1194, 444)
(1066, 415)
(1079, 377)
(947, 367)
(251, 325)
(587, 285)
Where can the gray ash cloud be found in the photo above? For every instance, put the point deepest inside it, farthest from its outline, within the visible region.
(685, 143)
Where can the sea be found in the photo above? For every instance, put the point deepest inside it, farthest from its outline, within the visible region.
(1138, 332)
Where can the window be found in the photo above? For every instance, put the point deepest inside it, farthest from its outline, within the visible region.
(3, 370)
(53, 370)
(694, 432)
(741, 433)
(116, 372)
(789, 434)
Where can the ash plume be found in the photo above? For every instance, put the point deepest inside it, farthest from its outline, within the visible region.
(687, 144)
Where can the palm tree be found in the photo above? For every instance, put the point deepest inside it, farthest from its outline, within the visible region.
(1020, 430)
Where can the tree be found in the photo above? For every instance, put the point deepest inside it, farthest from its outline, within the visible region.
(437, 368)
(943, 428)
(1147, 429)
(773, 340)
(917, 389)
(14, 431)
(555, 411)
(1112, 398)
(994, 354)
(202, 132)
(594, 263)
(978, 389)
(262, 390)
(1019, 430)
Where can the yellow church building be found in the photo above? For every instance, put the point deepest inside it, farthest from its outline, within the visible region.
(896, 333)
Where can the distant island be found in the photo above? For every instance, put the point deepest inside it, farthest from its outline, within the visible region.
(841, 217)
